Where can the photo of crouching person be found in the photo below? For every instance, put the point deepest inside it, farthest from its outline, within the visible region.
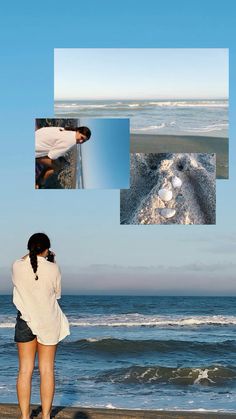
(51, 146)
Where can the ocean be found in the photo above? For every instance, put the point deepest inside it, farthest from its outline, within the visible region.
(136, 352)
(171, 117)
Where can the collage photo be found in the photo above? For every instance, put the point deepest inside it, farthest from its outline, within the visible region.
(118, 281)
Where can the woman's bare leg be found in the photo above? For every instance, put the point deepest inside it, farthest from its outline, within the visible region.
(26, 354)
(46, 357)
(48, 173)
(46, 161)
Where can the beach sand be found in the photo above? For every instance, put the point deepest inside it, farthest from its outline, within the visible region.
(148, 143)
(11, 411)
(194, 202)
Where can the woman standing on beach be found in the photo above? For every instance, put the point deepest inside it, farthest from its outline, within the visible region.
(40, 322)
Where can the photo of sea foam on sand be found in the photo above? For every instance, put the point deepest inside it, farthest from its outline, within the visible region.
(170, 189)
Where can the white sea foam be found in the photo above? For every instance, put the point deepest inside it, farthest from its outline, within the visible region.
(110, 406)
(216, 127)
(139, 320)
(186, 104)
(203, 375)
(4, 325)
(94, 340)
(79, 106)
(151, 127)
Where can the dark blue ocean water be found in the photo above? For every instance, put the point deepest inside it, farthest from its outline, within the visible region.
(136, 352)
(177, 117)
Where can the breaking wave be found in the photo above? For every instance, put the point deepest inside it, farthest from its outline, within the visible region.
(206, 376)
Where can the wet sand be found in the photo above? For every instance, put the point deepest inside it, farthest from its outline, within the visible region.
(11, 411)
(147, 143)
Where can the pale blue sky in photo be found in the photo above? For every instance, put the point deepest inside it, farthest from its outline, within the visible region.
(105, 157)
(94, 252)
(138, 73)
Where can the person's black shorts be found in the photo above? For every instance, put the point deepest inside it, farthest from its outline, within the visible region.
(23, 333)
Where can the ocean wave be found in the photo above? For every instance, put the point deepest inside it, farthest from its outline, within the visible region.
(79, 106)
(186, 104)
(144, 104)
(7, 325)
(139, 320)
(212, 375)
(151, 127)
(208, 128)
(125, 346)
(214, 127)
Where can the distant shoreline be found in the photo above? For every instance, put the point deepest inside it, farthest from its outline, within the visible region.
(152, 143)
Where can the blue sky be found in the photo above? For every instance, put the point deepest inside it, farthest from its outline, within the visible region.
(140, 73)
(96, 253)
(105, 157)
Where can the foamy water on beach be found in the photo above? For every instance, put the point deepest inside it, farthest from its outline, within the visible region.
(137, 352)
(172, 117)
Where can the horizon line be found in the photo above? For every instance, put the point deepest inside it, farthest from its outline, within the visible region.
(144, 98)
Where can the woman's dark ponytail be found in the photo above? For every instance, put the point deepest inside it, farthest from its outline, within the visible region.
(34, 262)
(36, 245)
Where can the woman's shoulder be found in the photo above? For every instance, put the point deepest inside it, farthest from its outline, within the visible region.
(19, 264)
(53, 266)
(22, 259)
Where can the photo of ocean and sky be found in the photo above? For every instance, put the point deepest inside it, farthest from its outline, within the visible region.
(176, 99)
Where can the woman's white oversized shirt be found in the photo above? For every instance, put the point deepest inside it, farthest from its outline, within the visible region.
(37, 299)
(53, 142)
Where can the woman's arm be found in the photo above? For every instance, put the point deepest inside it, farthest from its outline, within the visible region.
(58, 285)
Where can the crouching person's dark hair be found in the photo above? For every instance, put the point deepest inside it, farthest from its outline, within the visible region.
(85, 131)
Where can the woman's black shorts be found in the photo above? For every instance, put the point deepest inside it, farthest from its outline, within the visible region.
(23, 333)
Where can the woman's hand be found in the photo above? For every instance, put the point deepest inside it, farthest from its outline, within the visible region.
(51, 257)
